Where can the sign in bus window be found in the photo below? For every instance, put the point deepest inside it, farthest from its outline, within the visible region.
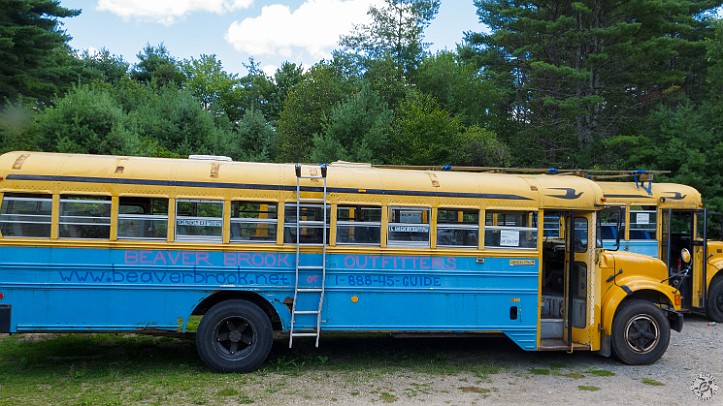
(512, 230)
(358, 225)
(25, 215)
(311, 223)
(458, 228)
(142, 218)
(408, 227)
(253, 222)
(84, 216)
(199, 220)
(643, 221)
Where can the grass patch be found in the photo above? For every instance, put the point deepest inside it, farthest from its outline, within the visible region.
(652, 382)
(227, 392)
(574, 375)
(540, 371)
(475, 389)
(589, 388)
(600, 372)
(387, 397)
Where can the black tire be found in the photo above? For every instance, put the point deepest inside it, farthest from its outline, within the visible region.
(714, 307)
(234, 336)
(641, 333)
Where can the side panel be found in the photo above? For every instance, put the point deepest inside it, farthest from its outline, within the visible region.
(75, 289)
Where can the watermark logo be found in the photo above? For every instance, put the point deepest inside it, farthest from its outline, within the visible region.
(704, 386)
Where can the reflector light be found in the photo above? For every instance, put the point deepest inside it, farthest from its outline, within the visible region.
(2, 296)
(677, 299)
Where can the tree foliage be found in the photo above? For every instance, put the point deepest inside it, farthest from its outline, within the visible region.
(33, 49)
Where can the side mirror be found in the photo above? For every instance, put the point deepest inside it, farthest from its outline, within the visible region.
(685, 255)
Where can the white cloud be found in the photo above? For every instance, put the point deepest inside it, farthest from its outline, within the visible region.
(167, 11)
(313, 28)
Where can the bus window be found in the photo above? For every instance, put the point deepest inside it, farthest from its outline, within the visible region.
(84, 216)
(609, 223)
(25, 215)
(458, 228)
(508, 229)
(358, 225)
(142, 218)
(199, 220)
(551, 226)
(311, 222)
(408, 227)
(643, 220)
(253, 222)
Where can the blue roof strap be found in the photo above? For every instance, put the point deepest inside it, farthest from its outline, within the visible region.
(640, 182)
(552, 171)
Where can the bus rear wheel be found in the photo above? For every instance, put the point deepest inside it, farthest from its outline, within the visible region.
(641, 333)
(234, 336)
(715, 300)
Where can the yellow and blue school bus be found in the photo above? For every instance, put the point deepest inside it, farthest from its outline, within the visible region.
(119, 243)
(660, 220)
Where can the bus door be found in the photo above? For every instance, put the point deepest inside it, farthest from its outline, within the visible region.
(678, 232)
(698, 266)
(579, 265)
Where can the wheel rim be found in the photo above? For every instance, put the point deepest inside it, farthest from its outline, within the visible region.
(719, 301)
(234, 338)
(642, 334)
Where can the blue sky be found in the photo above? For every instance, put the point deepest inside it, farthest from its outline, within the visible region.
(270, 31)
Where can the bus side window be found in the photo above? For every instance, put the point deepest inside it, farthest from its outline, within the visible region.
(84, 216)
(142, 218)
(511, 229)
(253, 222)
(25, 215)
(199, 220)
(358, 225)
(643, 221)
(458, 228)
(311, 227)
(408, 227)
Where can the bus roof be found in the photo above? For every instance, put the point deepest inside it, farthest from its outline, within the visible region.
(665, 195)
(522, 190)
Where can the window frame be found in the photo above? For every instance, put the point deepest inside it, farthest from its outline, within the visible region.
(408, 243)
(272, 223)
(359, 224)
(440, 226)
(198, 237)
(105, 200)
(25, 218)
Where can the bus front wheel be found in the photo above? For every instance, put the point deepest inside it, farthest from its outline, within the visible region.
(641, 333)
(715, 300)
(234, 336)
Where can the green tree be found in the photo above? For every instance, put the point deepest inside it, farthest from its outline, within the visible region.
(156, 65)
(254, 139)
(426, 133)
(87, 120)
(208, 82)
(396, 32)
(575, 72)
(359, 129)
(305, 107)
(33, 49)
(103, 67)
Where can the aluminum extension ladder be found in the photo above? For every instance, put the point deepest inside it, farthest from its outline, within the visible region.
(316, 290)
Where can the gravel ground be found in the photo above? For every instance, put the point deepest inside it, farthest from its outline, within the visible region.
(523, 378)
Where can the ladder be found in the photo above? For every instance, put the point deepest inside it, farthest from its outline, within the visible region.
(313, 290)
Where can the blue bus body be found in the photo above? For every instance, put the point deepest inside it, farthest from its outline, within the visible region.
(109, 289)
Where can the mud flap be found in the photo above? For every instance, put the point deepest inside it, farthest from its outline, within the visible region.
(5, 318)
(675, 319)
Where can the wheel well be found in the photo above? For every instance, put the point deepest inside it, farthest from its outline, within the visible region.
(252, 297)
(649, 295)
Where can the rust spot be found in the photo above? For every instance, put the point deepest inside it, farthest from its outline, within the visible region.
(19, 162)
(533, 188)
(433, 178)
(119, 169)
(214, 169)
(288, 302)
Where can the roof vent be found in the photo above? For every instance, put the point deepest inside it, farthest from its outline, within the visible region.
(210, 158)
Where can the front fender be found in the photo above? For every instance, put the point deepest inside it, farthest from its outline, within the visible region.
(626, 287)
